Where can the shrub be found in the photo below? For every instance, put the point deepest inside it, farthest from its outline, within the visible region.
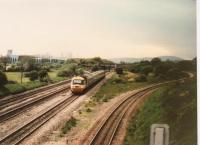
(1, 67)
(88, 110)
(80, 71)
(43, 74)
(141, 78)
(64, 73)
(3, 78)
(15, 88)
(117, 80)
(32, 85)
(68, 125)
(155, 61)
(174, 73)
(27, 74)
(95, 68)
(146, 69)
(33, 75)
(119, 70)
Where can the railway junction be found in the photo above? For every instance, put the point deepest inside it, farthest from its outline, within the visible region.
(26, 118)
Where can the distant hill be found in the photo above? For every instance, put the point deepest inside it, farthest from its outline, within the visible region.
(131, 60)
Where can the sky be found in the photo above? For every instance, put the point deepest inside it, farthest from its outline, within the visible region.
(105, 28)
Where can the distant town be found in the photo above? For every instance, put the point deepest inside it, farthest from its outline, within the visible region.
(13, 58)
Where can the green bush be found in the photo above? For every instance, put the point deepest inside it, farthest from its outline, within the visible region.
(33, 75)
(15, 88)
(3, 78)
(174, 73)
(119, 70)
(95, 68)
(33, 84)
(13, 68)
(64, 73)
(117, 80)
(43, 75)
(68, 125)
(141, 78)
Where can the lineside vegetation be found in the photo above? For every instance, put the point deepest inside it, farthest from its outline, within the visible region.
(175, 105)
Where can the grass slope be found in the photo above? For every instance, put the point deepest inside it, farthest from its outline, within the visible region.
(116, 85)
(174, 105)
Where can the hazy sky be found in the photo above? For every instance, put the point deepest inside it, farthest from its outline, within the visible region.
(106, 28)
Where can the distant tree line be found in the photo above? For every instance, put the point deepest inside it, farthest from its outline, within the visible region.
(161, 70)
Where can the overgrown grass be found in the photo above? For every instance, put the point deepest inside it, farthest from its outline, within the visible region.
(68, 125)
(53, 74)
(174, 105)
(116, 85)
(18, 88)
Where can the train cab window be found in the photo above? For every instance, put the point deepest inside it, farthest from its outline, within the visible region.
(80, 82)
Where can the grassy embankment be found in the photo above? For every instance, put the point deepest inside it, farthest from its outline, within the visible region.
(17, 87)
(174, 105)
(113, 87)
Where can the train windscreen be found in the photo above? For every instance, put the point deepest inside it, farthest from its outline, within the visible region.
(79, 82)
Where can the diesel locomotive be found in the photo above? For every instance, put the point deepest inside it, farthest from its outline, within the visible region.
(80, 83)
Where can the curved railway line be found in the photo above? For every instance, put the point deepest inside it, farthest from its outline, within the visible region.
(105, 133)
(16, 136)
(108, 127)
(23, 103)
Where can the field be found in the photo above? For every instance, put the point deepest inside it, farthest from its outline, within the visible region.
(18, 87)
(16, 76)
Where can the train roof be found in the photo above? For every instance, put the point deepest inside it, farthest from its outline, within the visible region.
(87, 75)
(78, 78)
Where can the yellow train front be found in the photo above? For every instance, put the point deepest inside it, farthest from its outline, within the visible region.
(79, 84)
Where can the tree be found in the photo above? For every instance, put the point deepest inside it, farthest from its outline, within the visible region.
(97, 59)
(95, 68)
(3, 78)
(4, 60)
(30, 65)
(80, 71)
(1, 67)
(156, 61)
(186, 65)
(43, 75)
(33, 75)
(146, 69)
(23, 59)
(141, 78)
(119, 70)
(145, 62)
(174, 73)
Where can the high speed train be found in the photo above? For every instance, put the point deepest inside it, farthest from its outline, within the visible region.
(80, 83)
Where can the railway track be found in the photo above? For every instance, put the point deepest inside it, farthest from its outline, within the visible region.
(13, 99)
(28, 102)
(108, 128)
(16, 136)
